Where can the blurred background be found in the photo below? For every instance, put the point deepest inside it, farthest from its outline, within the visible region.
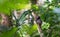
(29, 18)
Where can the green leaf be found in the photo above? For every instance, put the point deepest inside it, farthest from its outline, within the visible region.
(45, 25)
(23, 17)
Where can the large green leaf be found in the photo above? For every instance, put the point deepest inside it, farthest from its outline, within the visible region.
(23, 17)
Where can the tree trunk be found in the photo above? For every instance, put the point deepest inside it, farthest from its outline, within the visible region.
(40, 31)
(39, 23)
(36, 17)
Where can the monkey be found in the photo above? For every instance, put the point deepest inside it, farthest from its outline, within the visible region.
(38, 20)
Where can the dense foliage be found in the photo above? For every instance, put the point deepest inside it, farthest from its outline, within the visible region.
(47, 12)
